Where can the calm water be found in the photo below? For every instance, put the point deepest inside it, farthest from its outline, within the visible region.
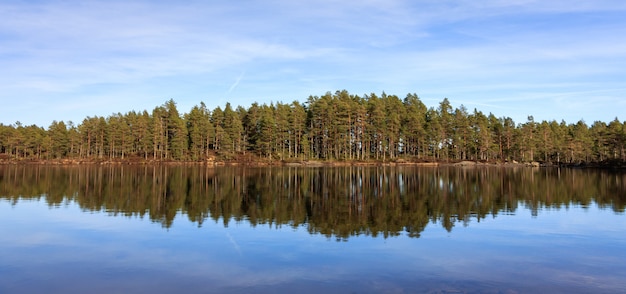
(311, 230)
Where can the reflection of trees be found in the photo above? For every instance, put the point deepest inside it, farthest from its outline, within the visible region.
(338, 202)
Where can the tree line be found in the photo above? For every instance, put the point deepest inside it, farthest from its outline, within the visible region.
(334, 126)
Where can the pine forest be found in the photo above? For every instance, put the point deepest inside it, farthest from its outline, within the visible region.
(330, 128)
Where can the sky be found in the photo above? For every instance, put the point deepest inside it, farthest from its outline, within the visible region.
(554, 60)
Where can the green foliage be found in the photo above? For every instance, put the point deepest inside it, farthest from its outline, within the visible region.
(200, 131)
(334, 126)
(266, 131)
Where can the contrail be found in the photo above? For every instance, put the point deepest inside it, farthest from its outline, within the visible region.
(234, 243)
(233, 86)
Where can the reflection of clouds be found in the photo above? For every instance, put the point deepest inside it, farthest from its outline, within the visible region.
(72, 215)
(235, 245)
(39, 239)
(136, 255)
(118, 246)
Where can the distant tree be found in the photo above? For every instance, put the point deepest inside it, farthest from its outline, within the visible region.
(600, 149)
(578, 143)
(159, 133)
(616, 139)
(461, 133)
(413, 125)
(360, 126)
(176, 131)
(394, 112)
(481, 135)
(143, 134)
(445, 127)
(74, 139)
(119, 136)
(496, 127)
(318, 122)
(197, 130)
(528, 139)
(93, 131)
(376, 125)
(217, 119)
(266, 131)
(509, 135)
(297, 122)
(432, 127)
(243, 144)
(250, 124)
(58, 140)
(233, 130)
(15, 140)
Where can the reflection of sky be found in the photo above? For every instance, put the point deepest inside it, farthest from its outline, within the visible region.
(65, 249)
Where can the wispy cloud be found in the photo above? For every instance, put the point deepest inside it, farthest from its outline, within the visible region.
(236, 83)
(68, 51)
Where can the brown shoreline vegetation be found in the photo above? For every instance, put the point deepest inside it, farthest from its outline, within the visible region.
(260, 162)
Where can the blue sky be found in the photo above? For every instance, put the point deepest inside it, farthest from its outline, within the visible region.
(66, 60)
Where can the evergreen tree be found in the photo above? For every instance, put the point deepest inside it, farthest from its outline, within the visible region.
(461, 133)
(297, 122)
(496, 127)
(509, 134)
(445, 127)
(217, 119)
(250, 124)
(394, 112)
(601, 141)
(528, 140)
(233, 130)
(616, 139)
(376, 125)
(143, 134)
(267, 131)
(176, 131)
(160, 133)
(58, 140)
(413, 125)
(481, 135)
(199, 131)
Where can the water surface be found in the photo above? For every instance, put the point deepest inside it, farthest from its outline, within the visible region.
(160, 229)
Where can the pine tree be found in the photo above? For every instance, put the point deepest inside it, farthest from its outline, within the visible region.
(58, 139)
(461, 133)
(199, 131)
(445, 127)
(233, 130)
(267, 131)
(413, 124)
(176, 131)
(376, 125)
(250, 124)
(297, 123)
(159, 133)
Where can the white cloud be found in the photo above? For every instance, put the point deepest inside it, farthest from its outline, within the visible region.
(72, 51)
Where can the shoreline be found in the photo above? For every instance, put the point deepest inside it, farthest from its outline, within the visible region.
(307, 163)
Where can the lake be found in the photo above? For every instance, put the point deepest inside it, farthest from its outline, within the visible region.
(195, 229)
